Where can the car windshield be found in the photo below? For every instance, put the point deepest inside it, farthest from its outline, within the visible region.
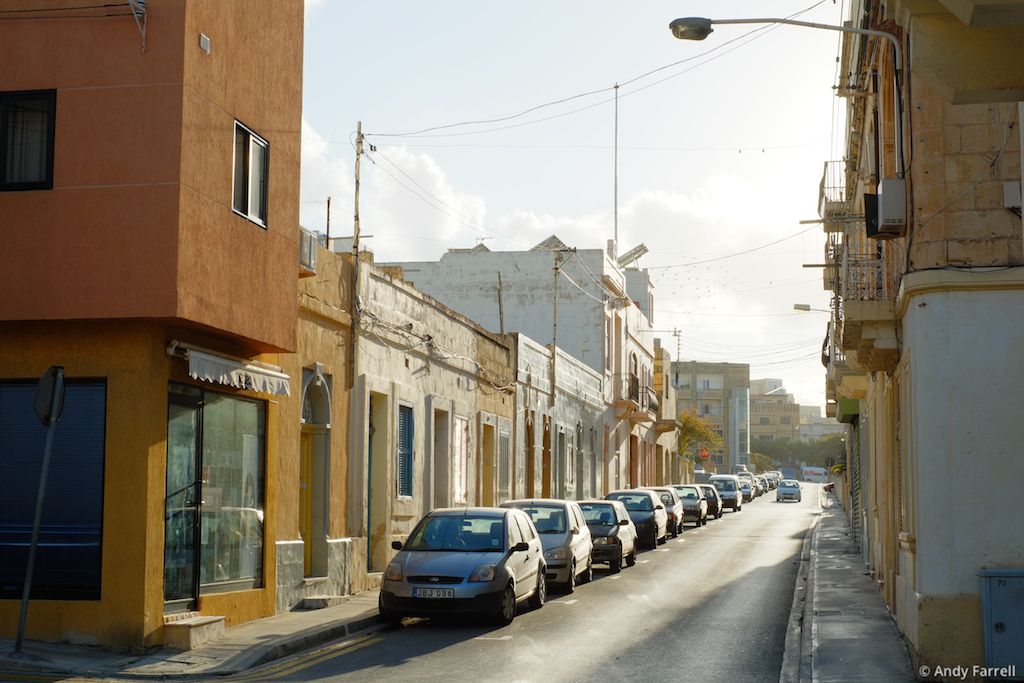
(547, 518)
(458, 533)
(725, 484)
(637, 502)
(599, 514)
(688, 492)
(790, 484)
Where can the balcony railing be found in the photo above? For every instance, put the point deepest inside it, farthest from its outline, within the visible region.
(835, 202)
(863, 278)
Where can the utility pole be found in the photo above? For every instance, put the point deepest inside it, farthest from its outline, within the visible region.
(355, 262)
(501, 308)
(327, 239)
(679, 343)
(554, 324)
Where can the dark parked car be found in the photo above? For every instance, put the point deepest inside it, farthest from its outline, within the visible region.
(673, 508)
(728, 486)
(613, 532)
(715, 507)
(647, 512)
(695, 507)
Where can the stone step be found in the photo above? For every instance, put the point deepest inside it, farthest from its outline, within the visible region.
(189, 633)
(322, 601)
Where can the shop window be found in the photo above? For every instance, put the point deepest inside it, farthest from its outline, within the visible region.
(26, 139)
(68, 558)
(215, 486)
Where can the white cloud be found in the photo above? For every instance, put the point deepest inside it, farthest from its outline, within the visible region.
(414, 211)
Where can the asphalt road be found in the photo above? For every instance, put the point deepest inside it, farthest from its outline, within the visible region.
(712, 605)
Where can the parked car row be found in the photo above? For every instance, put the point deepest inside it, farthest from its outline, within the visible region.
(488, 560)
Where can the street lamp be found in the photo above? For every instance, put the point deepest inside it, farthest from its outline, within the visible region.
(807, 307)
(699, 28)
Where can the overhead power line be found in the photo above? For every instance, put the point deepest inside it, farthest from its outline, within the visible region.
(753, 34)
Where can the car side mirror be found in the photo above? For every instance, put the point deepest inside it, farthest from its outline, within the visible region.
(397, 545)
(659, 507)
(575, 531)
(521, 547)
(623, 522)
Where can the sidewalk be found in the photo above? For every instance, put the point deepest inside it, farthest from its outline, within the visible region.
(242, 647)
(851, 636)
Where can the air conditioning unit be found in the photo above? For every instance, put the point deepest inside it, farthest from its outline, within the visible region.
(892, 206)
(885, 214)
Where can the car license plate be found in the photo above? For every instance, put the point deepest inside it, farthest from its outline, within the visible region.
(433, 592)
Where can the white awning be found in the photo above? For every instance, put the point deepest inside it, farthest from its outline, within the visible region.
(238, 373)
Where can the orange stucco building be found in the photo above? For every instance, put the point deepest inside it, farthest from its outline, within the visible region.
(149, 204)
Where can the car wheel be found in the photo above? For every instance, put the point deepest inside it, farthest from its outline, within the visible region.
(540, 593)
(386, 615)
(507, 607)
(615, 564)
(675, 530)
(631, 558)
(570, 584)
(588, 574)
(720, 513)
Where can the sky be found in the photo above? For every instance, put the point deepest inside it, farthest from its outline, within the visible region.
(721, 147)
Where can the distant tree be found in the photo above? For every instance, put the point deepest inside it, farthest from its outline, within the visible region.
(824, 452)
(763, 463)
(693, 431)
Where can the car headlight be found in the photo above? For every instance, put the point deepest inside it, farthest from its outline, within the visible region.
(393, 572)
(604, 540)
(484, 572)
(556, 554)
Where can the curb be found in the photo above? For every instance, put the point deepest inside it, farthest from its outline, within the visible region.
(264, 654)
(796, 658)
(249, 659)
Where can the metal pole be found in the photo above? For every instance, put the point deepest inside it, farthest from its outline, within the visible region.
(327, 239)
(36, 522)
(615, 191)
(501, 308)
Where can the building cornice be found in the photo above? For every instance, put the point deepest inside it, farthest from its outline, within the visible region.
(951, 280)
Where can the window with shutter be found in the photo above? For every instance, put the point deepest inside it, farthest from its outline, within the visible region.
(504, 475)
(405, 436)
(461, 457)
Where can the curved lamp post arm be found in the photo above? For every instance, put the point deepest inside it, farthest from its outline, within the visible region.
(698, 28)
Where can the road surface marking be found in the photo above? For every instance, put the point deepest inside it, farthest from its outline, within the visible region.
(496, 637)
(616, 577)
(311, 660)
(642, 561)
(661, 550)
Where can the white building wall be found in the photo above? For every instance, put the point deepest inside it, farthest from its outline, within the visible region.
(577, 413)
(411, 351)
(467, 281)
(967, 394)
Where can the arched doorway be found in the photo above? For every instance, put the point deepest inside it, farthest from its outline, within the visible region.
(314, 462)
